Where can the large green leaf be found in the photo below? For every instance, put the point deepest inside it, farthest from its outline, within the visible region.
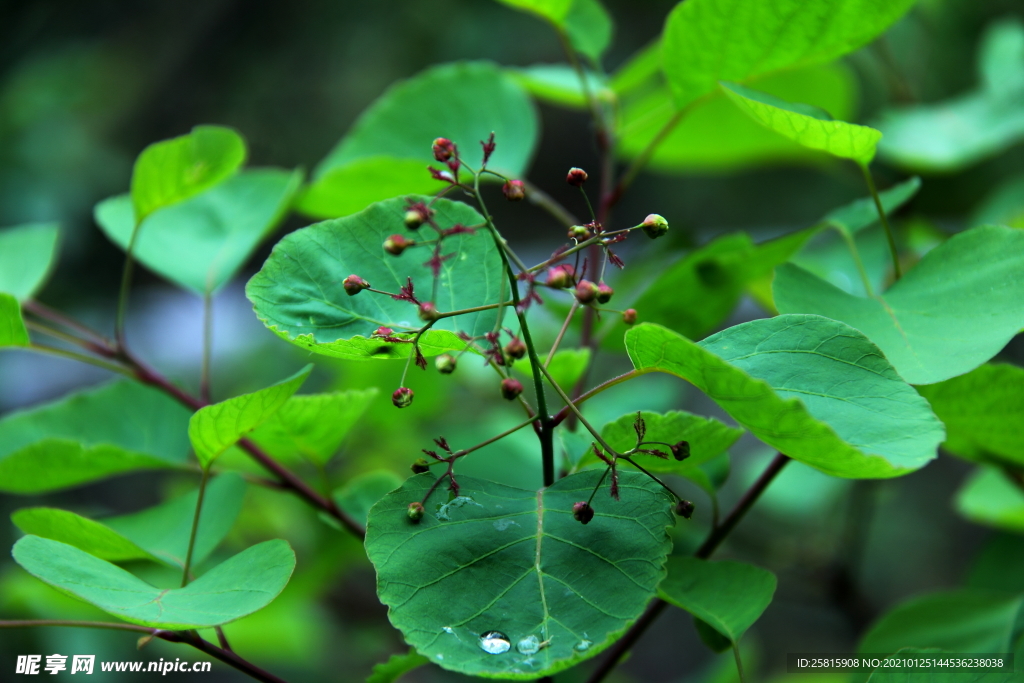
(556, 591)
(202, 242)
(362, 492)
(560, 84)
(241, 585)
(215, 428)
(815, 389)
(728, 596)
(159, 533)
(12, 326)
(805, 125)
(553, 10)
(171, 171)
(952, 312)
(344, 190)
(707, 41)
(313, 425)
(983, 412)
(584, 22)
(27, 253)
(299, 294)
(116, 428)
(988, 497)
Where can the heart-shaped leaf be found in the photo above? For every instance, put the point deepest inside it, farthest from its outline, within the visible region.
(27, 253)
(240, 585)
(299, 294)
(504, 583)
(12, 326)
(952, 312)
(116, 428)
(815, 389)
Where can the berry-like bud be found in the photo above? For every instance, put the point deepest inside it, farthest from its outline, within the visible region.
(586, 292)
(582, 512)
(396, 244)
(354, 284)
(604, 293)
(420, 466)
(445, 363)
(684, 509)
(415, 512)
(560, 277)
(514, 190)
(444, 149)
(510, 388)
(402, 398)
(413, 219)
(515, 348)
(681, 450)
(580, 233)
(629, 316)
(655, 226)
(576, 177)
(428, 312)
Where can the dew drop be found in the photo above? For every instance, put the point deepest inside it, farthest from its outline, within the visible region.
(448, 629)
(495, 643)
(529, 645)
(582, 646)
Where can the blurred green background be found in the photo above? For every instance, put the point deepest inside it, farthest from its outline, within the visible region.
(85, 86)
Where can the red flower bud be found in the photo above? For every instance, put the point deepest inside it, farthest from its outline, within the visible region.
(413, 219)
(604, 293)
(444, 149)
(586, 292)
(560, 277)
(354, 284)
(515, 348)
(382, 332)
(428, 312)
(445, 363)
(415, 512)
(684, 509)
(580, 233)
(402, 398)
(582, 512)
(629, 316)
(396, 244)
(681, 450)
(510, 388)
(514, 190)
(420, 465)
(655, 226)
(576, 177)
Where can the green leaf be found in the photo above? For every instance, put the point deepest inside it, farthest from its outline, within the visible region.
(299, 294)
(215, 428)
(945, 317)
(89, 435)
(1004, 205)
(988, 497)
(396, 667)
(707, 41)
(171, 171)
(519, 565)
(27, 253)
(982, 411)
(12, 327)
(815, 389)
(1001, 59)
(717, 136)
(159, 533)
(202, 242)
(639, 70)
(554, 11)
(559, 84)
(344, 190)
(462, 101)
(806, 126)
(984, 622)
(710, 637)
(862, 213)
(589, 28)
(360, 493)
(566, 366)
(313, 425)
(236, 587)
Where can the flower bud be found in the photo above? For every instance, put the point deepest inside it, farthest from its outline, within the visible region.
(629, 316)
(604, 293)
(402, 398)
(681, 450)
(515, 349)
(445, 363)
(514, 190)
(428, 312)
(443, 148)
(582, 512)
(655, 226)
(580, 233)
(510, 388)
(576, 177)
(560, 277)
(354, 284)
(415, 512)
(420, 466)
(684, 509)
(586, 292)
(413, 219)
(396, 244)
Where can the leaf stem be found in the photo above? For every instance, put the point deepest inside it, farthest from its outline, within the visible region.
(564, 412)
(89, 360)
(126, 283)
(195, 527)
(204, 373)
(882, 217)
(561, 332)
(855, 253)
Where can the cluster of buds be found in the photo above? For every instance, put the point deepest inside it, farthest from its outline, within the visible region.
(561, 277)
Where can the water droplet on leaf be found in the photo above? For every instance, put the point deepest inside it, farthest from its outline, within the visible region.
(528, 645)
(495, 643)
